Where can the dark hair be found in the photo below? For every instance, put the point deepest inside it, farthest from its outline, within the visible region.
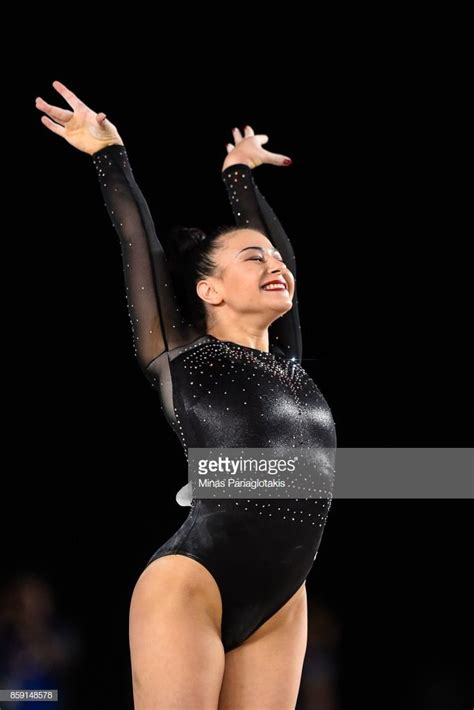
(190, 254)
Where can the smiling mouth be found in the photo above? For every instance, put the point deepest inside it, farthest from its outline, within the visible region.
(275, 287)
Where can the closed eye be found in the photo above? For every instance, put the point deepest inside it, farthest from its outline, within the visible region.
(260, 258)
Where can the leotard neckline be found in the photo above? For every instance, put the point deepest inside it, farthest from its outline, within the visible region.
(239, 345)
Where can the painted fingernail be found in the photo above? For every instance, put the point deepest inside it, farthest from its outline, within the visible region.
(287, 161)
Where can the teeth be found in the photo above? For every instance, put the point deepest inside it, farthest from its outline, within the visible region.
(274, 287)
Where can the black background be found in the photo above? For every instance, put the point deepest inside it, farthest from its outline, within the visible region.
(370, 208)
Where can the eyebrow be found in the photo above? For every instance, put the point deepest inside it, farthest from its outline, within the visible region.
(261, 249)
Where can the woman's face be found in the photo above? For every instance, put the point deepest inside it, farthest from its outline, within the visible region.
(246, 262)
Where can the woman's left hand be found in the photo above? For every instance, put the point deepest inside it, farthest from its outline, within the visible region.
(248, 150)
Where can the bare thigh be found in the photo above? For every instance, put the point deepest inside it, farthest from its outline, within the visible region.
(264, 673)
(175, 641)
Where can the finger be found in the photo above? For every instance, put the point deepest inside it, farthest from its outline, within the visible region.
(56, 121)
(237, 135)
(56, 128)
(277, 158)
(59, 114)
(229, 147)
(101, 118)
(262, 138)
(67, 94)
(248, 131)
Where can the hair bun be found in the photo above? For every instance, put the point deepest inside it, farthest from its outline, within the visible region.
(184, 240)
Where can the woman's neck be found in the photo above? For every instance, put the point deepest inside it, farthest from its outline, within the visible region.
(258, 339)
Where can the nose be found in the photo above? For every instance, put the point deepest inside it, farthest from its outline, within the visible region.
(278, 266)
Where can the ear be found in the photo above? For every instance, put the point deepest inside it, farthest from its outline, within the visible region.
(206, 290)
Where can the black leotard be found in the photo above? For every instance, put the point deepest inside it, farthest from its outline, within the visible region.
(220, 393)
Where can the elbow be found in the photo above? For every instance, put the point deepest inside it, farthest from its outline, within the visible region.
(148, 363)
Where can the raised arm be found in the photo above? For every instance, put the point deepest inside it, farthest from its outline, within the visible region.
(156, 321)
(121, 197)
(251, 209)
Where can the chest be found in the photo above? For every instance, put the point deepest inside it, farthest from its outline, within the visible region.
(243, 398)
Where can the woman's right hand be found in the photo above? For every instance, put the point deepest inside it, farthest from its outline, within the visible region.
(83, 128)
